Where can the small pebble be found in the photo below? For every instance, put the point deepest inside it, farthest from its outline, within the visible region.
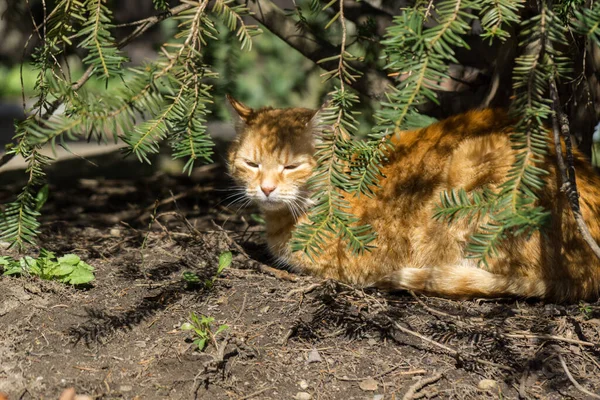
(368, 385)
(378, 397)
(314, 356)
(264, 310)
(303, 384)
(487, 384)
(125, 388)
(303, 396)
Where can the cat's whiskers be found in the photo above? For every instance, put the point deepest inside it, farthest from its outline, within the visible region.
(293, 208)
(240, 197)
(298, 207)
(230, 189)
(305, 201)
(232, 198)
(299, 203)
(244, 205)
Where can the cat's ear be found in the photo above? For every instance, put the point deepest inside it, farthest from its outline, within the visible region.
(315, 124)
(239, 111)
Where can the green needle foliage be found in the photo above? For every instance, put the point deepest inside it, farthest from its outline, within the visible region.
(169, 99)
(514, 209)
(331, 215)
(587, 22)
(165, 100)
(102, 52)
(419, 56)
(497, 15)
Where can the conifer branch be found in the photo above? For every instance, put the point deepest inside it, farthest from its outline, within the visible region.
(372, 82)
(233, 19)
(419, 57)
(515, 210)
(181, 116)
(103, 53)
(144, 25)
(331, 214)
(496, 14)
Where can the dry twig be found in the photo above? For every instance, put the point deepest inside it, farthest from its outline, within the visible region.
(527, 335)
(280, 274)
(430, 309)
(411, 394)
(384, 373)
(254, 394)
(450, 350)
(304, 290)
(573, 381)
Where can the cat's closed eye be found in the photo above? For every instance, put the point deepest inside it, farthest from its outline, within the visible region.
(291, 167)
(251, 164)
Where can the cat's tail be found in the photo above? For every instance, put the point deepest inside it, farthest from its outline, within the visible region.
(463, 282)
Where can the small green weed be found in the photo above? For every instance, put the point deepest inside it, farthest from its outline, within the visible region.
(193, 280)
(67, 269)
(585, 309)
(201, 327)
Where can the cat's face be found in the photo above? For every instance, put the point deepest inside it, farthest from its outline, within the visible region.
(272, 157)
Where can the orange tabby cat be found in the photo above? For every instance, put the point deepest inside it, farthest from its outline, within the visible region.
(272, 158)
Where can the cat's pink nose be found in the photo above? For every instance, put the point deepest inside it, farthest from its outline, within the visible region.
(267, 190)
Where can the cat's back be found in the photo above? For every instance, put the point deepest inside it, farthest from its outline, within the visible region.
(466, 150)
(473, 151)
(437, 141)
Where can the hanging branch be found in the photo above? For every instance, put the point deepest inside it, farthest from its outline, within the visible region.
(143, 26)
(331, 214)
(170, 93)
(560, 125)
(372, 82)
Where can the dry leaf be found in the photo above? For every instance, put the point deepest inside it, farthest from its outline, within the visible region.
(368, 385)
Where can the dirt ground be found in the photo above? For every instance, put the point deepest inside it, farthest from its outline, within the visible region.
(289, 336)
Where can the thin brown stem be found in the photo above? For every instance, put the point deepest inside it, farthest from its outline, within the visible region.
(560, 126)
(528, 335)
